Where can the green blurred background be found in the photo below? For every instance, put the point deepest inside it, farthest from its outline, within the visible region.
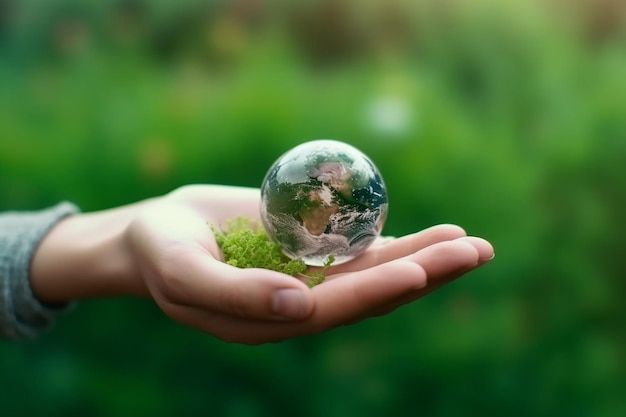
(506, 117)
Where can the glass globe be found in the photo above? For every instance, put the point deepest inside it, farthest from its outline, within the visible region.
(323, 198)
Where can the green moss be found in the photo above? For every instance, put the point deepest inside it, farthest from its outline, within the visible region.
(245, 244)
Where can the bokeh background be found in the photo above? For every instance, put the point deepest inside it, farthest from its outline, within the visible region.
(506, 117)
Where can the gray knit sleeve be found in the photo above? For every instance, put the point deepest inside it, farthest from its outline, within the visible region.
(21, 314)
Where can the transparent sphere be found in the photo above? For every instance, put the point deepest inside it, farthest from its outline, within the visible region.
(323, 198)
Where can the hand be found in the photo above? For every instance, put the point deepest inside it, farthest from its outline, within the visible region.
(164, 249)
(182, 268)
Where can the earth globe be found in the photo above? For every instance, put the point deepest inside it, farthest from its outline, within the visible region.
(323, 201)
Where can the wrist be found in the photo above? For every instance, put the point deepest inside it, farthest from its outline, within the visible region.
(86, 256)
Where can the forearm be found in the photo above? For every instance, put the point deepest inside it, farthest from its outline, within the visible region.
(86, 256)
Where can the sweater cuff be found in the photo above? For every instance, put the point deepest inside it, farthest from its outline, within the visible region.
(22, 315)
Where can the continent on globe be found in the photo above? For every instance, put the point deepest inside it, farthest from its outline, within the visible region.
(323, 198)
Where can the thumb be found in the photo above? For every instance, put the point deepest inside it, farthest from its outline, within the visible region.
(201, 281)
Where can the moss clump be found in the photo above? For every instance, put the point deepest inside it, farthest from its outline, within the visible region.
(245, 244)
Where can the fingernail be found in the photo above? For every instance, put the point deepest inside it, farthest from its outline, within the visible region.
(288, 303)
(484, 248)
(489, 258)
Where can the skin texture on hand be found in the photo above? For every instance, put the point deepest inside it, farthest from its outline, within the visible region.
(164, 249)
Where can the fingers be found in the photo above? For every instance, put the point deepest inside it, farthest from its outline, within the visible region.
(484, 248)
(443, 258)
(443, 264)
(354, 297)
(391, 249)
(340, 301)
